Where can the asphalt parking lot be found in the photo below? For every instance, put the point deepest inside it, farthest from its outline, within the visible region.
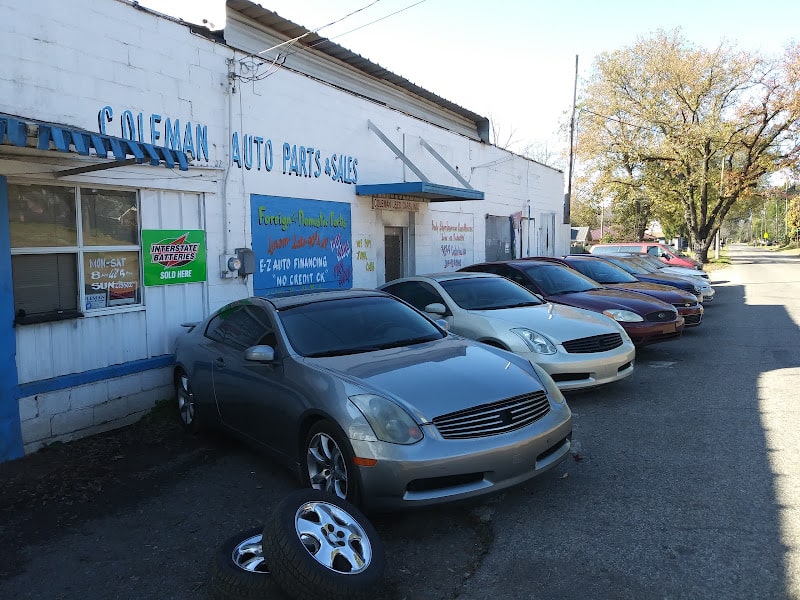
(683, 483)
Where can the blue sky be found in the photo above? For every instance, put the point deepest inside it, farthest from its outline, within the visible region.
(514, 60)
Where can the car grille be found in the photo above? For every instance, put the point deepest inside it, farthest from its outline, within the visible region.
(597, 343)
(662, 316)
(494, 418)
(693, 319)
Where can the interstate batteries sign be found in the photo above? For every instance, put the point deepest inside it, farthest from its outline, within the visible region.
(173, 256)
(300, 244)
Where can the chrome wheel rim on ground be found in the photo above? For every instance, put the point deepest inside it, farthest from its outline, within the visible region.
(327, 470)
(333, 537)
(185, 400)
(248, 555)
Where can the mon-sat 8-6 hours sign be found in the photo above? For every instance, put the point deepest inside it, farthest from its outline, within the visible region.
(173, 256)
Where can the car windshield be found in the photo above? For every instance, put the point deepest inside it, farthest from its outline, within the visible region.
(602, 271)
(630, 264)
(647, 264)
(488, 293)
(651, 261)
(354, 325)
(556, 279)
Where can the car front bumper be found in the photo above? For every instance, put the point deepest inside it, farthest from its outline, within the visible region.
(576, 371)
(437, 470)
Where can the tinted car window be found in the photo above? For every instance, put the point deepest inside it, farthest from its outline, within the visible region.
(488, 293)
(605, 249)
(240, 327)
(353, 325)
(624, 263)
(418, 294)
(554, 279)
(602, 272)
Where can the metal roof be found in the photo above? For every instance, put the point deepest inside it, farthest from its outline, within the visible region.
(271, 20)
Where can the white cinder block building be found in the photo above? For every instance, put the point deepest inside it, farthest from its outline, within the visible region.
(139, 155)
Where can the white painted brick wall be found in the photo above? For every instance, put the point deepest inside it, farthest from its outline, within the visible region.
(111, 410)
(72, 421)
(35, 432)
(124, 386)
(53, 403)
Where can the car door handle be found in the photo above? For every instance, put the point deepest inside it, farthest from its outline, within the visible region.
(219, 362)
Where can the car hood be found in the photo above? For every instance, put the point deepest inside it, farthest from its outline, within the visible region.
(438, 377)
(665, 293)
(666, 279)
(556, 321)
(606, 298)
(682, 271)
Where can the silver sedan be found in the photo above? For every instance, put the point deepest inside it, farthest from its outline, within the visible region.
(366, 398)
(578, 348)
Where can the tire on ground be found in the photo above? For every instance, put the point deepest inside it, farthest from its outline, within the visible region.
(239, 570)
(320, 546)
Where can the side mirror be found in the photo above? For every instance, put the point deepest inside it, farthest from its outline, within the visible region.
(264, 354)
(436, 308)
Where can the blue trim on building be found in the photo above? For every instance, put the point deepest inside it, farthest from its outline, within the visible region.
(421, 189)
(10, 429)
(76, 379)
(14, 131)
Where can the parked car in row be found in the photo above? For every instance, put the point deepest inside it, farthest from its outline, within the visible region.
(366, 398)
(658, 250)
(645, 319)
(578, 348)
(651, 269)
(610, 275)
(672, 270)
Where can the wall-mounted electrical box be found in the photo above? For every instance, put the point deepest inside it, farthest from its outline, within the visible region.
(229, 265)
(247, 260)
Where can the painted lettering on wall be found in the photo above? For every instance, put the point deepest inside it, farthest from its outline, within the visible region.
(453, 233)
(300, 244)
(364, 253)
(258, 153)
(191, 138)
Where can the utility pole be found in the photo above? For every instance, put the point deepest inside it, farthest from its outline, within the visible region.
(568, 195)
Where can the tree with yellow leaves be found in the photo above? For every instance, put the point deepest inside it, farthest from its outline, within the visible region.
(669, 130)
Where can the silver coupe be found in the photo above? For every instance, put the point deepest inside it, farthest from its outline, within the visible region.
(367, 398)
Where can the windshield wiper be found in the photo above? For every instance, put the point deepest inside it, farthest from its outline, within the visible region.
(342, 352)
(521, 304)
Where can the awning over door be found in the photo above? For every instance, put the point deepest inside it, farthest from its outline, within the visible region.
(418, 190)
(48, 136)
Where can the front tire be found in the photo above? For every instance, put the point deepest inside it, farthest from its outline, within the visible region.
(320, 546)
(328, 464)
(186, 404)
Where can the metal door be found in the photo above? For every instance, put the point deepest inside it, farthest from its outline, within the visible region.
(394, 266)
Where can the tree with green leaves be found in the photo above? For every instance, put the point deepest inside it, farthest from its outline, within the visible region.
(679, 134)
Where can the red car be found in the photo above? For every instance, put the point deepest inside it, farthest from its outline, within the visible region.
(610, 275)
(646, 319)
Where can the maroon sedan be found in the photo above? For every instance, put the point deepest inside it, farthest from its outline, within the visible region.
(610, 275)
(646, 319)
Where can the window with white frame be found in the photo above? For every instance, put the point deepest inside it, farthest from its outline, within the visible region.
(73, 249)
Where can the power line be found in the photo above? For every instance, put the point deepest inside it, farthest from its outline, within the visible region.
(281, 57)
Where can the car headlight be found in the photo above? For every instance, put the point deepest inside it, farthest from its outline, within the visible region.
(549, 385)
(389, 422)
(535, 341)
(624, 316)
